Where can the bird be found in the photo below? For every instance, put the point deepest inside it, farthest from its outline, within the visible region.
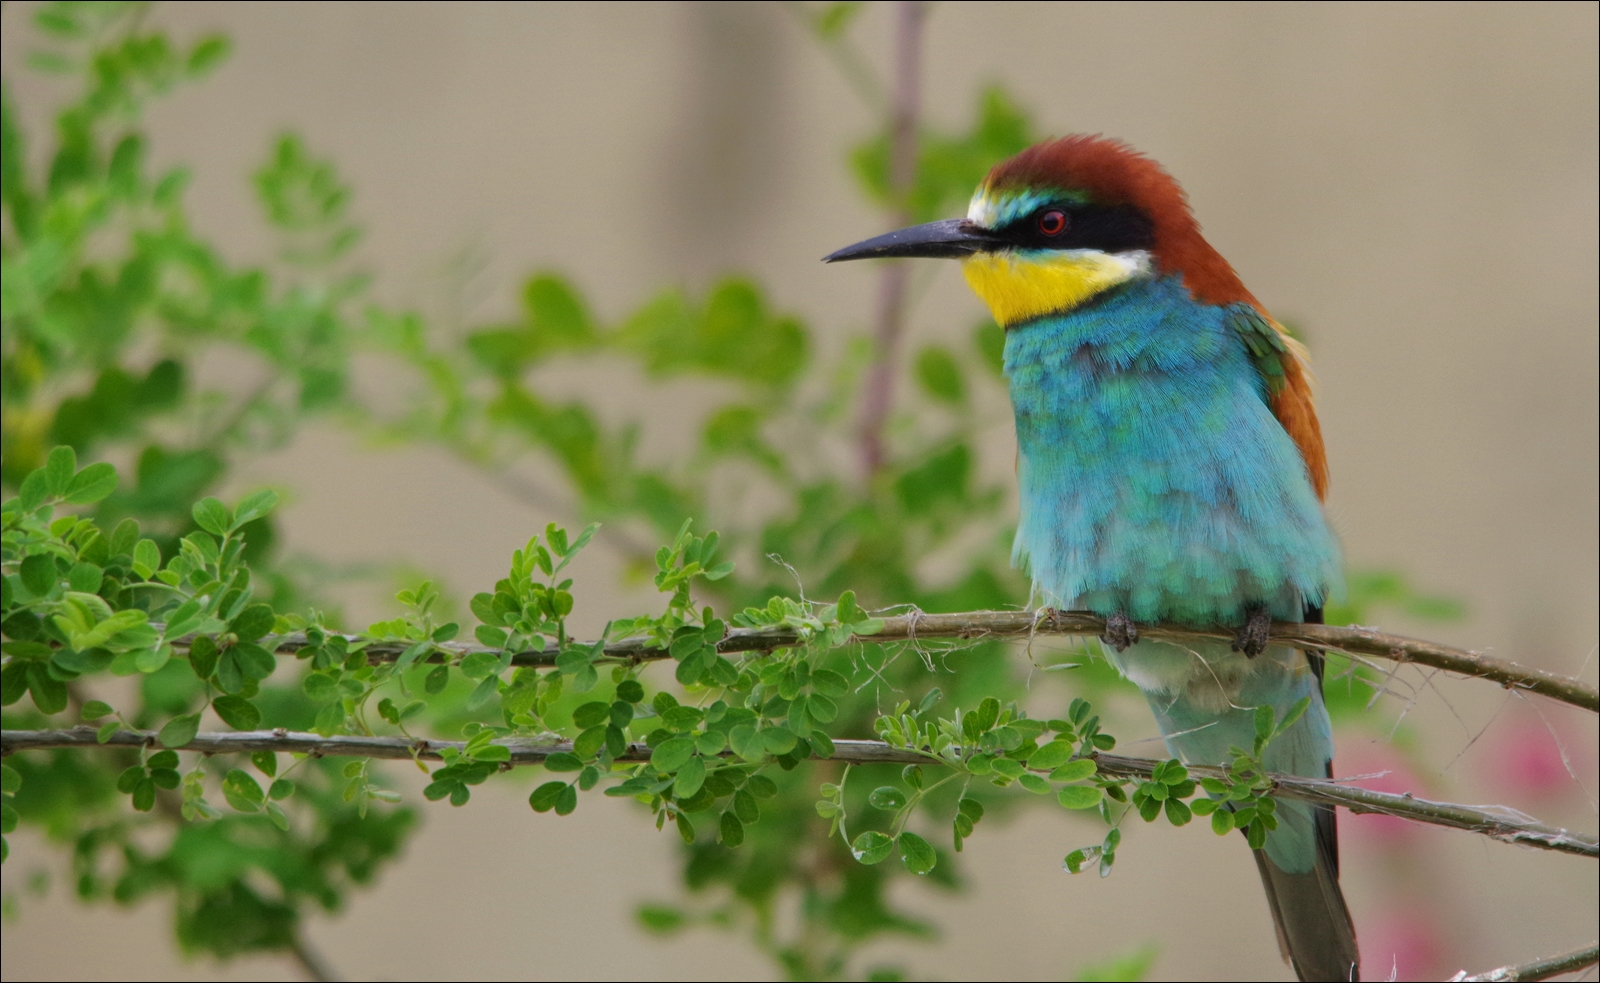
(1171, 468)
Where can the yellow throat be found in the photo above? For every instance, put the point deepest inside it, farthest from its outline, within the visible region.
(1021, 286)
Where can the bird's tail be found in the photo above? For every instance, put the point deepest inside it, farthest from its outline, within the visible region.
(1315, 932)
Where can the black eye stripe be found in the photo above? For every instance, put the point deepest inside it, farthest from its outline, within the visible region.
(1109, 228)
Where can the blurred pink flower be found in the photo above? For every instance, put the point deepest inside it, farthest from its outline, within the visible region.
(1405, 941)
(1524, 759)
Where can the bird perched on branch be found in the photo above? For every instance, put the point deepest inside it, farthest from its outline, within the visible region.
(1171, 468)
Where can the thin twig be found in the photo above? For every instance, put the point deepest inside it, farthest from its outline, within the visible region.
(877, 394)
(1022, 624)
(1496, 824)
(1539, 969)
(311, 962)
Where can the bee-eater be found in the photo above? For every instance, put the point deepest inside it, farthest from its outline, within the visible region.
(1171, 468)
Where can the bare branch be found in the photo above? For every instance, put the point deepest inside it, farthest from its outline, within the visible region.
(1539, 969)
(1495, 822)
(311, 962)
(973, 625)
(877, 394)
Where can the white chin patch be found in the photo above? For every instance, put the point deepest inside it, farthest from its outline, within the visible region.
(1133, 263)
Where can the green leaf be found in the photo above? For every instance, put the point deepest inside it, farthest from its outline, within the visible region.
(672, 755)
(59, 469)
(591, 714)
(254, 661)
(253, 507)
(1294, 713)
(85, 578)
(828, 682)
(872, 847)
(778, 740)
(242, 791)
(1079, 796)
(691, 776)
(95, 709)
(563, 761)
(483, 692)
(252, 623)
(152, 659)
(1131, 967)
(1264, 718)
(660, 918)
(279, 818)
(179, 730)
(939, 374)
(38, 573)
(917, 854)
(146, 558)
(34, 490)
(731, 830)
(887, 798)
(144, 795)
(747, 742)
(434, 683)
(1054, 755)
(1178, 812)
(1256, 836)
(212, 516)
(1034, 784)
(1073, 771)
(10, 780)
(92, 484)
(589, 742)
(1222, 822)
(107, 731)
(237, 712)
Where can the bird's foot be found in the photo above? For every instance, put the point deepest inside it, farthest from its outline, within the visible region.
(1120, 632)
(1252, 637)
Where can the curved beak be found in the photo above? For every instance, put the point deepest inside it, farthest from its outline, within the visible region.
(952, 238)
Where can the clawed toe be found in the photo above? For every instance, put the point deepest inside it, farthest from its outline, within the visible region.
(1120, 632)
(1252, 637)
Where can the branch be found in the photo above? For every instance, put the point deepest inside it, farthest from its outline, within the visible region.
(310, 961)
(877, 395)
(1022, 624)
(1495, 822)
(1539, 969)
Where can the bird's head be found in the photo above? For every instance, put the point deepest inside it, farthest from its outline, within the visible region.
(1062, 222)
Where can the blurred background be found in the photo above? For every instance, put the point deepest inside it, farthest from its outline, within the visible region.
(1411, 186)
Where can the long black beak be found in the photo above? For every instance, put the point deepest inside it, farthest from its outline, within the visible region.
(949, 239)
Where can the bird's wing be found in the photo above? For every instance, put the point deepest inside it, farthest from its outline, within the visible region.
(1282, 362)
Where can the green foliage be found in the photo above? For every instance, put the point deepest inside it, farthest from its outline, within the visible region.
(1130, 967)
(948, 166)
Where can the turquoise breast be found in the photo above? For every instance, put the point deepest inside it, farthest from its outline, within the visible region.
(1154, 479)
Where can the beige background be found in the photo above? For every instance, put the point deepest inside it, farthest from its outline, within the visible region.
(1413, 183)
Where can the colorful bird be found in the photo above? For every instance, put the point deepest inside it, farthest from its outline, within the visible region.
(1171, 468)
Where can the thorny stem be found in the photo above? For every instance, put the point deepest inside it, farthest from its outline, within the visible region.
(1539, 969)
(1500, 825)
(877, 394)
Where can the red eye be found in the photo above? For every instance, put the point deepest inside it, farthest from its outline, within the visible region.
(1053, 222)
